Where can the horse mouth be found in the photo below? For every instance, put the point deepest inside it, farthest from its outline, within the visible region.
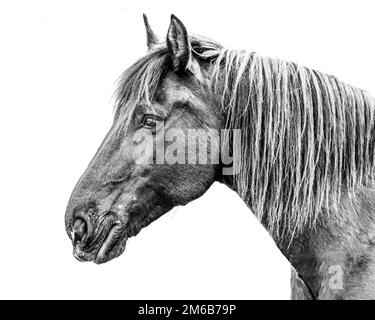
(108, 244)
(112, 246)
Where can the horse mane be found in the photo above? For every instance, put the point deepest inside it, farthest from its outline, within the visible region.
(306, 136)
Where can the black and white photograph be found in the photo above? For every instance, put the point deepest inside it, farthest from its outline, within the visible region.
(187, 151)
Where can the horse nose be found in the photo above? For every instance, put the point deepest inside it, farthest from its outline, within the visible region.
(79, 230)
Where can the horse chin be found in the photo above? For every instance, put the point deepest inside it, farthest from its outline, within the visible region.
(112, 247)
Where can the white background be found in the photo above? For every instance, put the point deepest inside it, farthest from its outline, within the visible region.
(58, 64)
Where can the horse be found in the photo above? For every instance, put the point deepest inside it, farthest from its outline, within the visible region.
(296, 144)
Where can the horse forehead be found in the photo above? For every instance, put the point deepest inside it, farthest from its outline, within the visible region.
(175, 89)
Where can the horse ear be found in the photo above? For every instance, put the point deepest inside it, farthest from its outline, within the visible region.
(178, 44)
(152, 39)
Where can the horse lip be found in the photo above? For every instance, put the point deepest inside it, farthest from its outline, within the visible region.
(100, 233)
(104, 252)
(81, 255)
(87, 251)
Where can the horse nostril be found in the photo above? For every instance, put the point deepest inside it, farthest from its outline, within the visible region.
(79, 230)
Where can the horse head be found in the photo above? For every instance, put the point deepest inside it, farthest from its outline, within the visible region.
(161, 151)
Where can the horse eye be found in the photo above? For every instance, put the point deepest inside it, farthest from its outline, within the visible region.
(149, 121)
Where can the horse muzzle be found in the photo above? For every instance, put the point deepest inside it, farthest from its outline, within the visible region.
(100, 244)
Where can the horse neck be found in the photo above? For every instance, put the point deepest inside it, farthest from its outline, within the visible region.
(342, 234)
(334, 258)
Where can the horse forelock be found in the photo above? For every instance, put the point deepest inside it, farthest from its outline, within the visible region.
(139, 83)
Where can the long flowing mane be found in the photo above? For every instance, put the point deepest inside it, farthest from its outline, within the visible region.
(306, 136)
